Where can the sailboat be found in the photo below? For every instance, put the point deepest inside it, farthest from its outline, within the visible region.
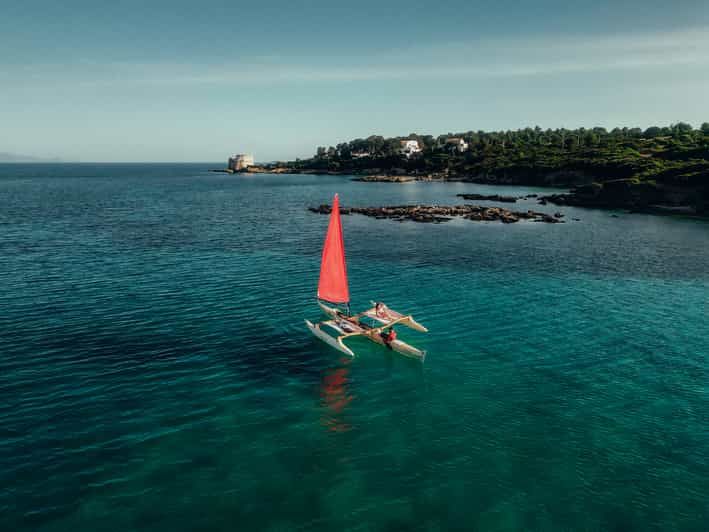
(375, 323)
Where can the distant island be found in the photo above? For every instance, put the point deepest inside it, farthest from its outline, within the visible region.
(8, 157)
(659, 169)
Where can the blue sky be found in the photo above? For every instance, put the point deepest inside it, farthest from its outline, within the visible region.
(196, 81)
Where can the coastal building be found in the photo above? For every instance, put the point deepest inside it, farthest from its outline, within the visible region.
(240, 161)
(409, 147)
(360, 154)
(456, 143)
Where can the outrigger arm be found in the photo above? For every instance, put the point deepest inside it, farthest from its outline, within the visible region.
(349, 326)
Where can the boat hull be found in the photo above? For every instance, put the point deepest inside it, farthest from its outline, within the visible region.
(410, 322)
(399, 346)
(328, 339)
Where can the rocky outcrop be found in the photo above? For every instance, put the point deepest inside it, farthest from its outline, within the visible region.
(222, 170)
(443, 213)
(493, 197)
(267, 170)
(385, 178)
(398, 175)
(627, 194)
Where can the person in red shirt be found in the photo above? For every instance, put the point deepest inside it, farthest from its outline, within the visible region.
(389, 337)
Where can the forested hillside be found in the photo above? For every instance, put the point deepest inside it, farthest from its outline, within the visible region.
(623, 167)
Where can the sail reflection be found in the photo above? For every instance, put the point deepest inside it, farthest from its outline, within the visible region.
(335, 396)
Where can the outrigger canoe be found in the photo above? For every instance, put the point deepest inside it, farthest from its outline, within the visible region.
(333, 289)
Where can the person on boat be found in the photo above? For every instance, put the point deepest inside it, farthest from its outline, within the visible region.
(389, 337)
(380, 309)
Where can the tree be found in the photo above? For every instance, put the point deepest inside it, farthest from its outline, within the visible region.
(427, 141)
(705, 128)
(375, 143)
(344, 150)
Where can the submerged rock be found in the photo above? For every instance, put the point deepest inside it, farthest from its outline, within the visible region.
(327, 209)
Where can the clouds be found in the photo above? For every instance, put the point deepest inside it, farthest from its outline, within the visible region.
(280, 105)
(482, 59)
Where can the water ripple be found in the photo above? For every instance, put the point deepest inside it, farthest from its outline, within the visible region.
(155, 373)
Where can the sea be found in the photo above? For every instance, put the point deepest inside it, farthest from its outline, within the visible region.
(156, 372)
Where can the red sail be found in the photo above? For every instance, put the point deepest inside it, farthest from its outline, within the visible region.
(333, 271)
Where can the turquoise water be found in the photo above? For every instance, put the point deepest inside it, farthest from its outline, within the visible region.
(155, 372)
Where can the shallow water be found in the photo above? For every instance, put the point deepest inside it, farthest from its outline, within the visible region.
(155, 372)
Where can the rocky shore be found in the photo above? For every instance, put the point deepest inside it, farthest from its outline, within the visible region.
(631, 195)
(444, 213)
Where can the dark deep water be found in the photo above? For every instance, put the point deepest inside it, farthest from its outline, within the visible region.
(155, 372)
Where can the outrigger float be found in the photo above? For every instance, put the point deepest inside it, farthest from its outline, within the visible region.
(333, 289)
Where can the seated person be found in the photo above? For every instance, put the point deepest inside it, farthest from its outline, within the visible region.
(388, 337)
(381, 311)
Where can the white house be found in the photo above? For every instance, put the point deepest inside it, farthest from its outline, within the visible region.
(240, 161)
(409, 147)
(457, 143)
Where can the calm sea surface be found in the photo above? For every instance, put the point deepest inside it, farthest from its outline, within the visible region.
(156, 374)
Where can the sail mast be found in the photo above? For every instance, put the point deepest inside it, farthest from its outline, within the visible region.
(333, 286)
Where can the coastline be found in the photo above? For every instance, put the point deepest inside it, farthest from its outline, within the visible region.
(659, 170)
(631, 194)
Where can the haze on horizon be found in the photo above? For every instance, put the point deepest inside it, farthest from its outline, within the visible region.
(186, 81)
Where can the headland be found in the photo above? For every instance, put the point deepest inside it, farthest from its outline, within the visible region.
(662, 170)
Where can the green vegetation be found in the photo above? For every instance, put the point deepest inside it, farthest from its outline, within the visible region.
(672, 162)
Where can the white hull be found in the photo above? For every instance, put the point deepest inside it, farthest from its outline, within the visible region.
(328, 339)
(397, 345)
(410, 321)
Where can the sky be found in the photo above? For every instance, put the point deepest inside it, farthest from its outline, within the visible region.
(197, 81)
